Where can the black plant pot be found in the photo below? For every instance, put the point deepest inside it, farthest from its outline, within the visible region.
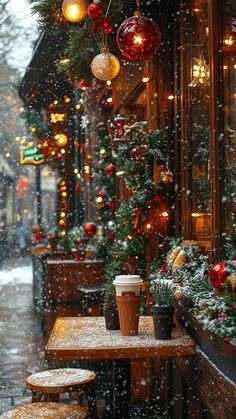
(111, 318)
(163, 321)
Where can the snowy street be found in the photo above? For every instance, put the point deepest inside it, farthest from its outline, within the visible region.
(21, 346)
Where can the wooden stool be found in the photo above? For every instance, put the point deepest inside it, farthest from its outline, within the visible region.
(46, 411)
(47, 385)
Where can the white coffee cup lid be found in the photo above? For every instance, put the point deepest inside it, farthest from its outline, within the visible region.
(127, 279)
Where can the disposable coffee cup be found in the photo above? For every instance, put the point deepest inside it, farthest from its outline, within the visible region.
(126, 284)
(128, 303)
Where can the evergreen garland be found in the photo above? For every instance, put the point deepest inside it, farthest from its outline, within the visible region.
(35, 123)
(83, 40)
(216, 313)
(128, 251)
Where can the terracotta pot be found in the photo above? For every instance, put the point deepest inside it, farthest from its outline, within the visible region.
(163, 321)
(128, 309)
(111, 318)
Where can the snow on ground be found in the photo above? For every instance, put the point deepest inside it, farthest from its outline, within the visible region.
(15, 276)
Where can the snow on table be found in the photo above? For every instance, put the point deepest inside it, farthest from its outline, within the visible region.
(75, 338)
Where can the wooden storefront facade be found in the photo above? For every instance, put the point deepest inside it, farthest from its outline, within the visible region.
(188, 91)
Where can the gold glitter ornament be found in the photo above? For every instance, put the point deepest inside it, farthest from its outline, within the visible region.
(105, 66)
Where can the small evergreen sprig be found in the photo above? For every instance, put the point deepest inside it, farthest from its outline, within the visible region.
(162, 291)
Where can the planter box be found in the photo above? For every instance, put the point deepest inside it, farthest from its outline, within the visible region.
(221, 354)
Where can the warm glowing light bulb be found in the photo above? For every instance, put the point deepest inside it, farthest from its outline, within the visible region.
(108, 82)
(138, 39)
(86, 169)
(74, 10)
(148, 226)
(165, 214)
(145, 79)
(76, 171)
(110, 99)
(171, 97)
(61, 139)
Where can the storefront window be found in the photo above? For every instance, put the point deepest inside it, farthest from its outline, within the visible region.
(229, 71)
(196, 121)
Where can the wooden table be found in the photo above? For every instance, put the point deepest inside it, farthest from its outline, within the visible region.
(77, 338)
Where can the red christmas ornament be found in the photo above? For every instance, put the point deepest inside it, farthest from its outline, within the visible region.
(103, 24)
(106, 26)
(138, 38)
(101, 193)
(84, 83)
(38, 236)
(110, 169)
(78, 187)
(218, 275)
(90, 229)
(94, 10)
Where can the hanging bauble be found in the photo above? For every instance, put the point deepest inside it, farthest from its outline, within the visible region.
(74, 10)
(90, 229)
(94, 10)
(100, 202)
(106, 26)
(61, 140)
(138, 37)
(110, 169)
(218, 275)
(101, 193)
(105, 66)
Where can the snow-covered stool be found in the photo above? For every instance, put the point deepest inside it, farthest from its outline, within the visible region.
(48, 385)
(46, 411)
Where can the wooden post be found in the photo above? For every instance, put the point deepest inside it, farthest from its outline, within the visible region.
(38, 194)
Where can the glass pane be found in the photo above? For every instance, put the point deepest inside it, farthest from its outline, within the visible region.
(199, 121)
(229, 69)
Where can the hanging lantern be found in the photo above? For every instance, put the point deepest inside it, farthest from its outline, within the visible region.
(119, 128)
(138, 37)
(61, 140)
(94, 10)
(105, 66)
(201, 73)
(229, 39)
(74, 10)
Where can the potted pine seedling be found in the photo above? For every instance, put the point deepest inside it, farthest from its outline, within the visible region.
(162, 292)
(110, 309)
